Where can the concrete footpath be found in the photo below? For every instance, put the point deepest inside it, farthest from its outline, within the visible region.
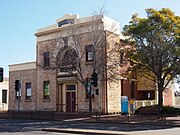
(84, 131)
(115, 124)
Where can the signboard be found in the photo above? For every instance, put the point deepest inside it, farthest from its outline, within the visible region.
(29, 92)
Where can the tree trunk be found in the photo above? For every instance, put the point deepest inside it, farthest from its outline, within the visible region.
(160, 99)
(160, 103)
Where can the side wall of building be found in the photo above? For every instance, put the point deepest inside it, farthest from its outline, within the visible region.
(24, 76)
(113, 73)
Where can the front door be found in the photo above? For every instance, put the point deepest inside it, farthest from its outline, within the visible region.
(71, 98)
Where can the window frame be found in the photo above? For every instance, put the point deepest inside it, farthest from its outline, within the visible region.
(4, 90)
(89, 53)
(46, 59)
(26, 88)
(18, 93)
(45, 83)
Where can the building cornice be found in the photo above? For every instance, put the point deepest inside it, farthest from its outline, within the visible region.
(22, 66)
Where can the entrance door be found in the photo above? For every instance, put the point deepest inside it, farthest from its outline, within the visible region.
(71, 98)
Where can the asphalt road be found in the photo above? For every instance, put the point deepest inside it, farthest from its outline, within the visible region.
(27, 127)
(34, 133)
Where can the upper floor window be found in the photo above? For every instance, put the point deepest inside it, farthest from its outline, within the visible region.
(46, 90)
(68, 61)
(46, 59)
(4, 96)
(28, 90)
(89, 53)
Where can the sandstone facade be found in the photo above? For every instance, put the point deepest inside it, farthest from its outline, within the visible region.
(66, 93)
(25, 72)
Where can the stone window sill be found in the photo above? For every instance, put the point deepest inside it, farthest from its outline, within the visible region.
(46, 100)
(28, 100)
(89, 62)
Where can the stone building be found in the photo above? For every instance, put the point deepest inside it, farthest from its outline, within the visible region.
(54, 83)
(25, 98)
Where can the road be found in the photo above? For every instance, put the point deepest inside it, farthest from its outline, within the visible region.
(35, 133)
(29, 127)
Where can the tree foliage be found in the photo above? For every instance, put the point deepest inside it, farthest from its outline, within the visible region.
(156, 39)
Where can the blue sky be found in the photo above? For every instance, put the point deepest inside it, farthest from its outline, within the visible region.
(19, 20)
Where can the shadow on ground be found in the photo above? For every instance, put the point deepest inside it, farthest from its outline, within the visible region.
(110, 123)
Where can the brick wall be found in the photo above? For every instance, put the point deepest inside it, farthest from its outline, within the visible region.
(167, 97)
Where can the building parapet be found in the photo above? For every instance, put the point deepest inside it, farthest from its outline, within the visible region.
(22, 66)
(68, 20)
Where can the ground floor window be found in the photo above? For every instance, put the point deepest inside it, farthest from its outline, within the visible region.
(18, 90)
(46, 89)
(4, 96)
(28, 90)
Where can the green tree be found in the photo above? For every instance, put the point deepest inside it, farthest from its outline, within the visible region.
(156, 40)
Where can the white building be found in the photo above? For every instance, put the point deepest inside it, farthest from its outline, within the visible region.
(4, 88)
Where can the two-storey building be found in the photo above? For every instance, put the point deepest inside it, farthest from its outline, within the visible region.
(67, 54)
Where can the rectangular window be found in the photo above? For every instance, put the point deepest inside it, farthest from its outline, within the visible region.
(46, 89)
(4, 96)
(46, 59)
(89, 89)
(18, 93)
(89, 53)
(28, 90)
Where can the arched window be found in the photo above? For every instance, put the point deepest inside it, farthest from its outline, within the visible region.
(67, 59)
